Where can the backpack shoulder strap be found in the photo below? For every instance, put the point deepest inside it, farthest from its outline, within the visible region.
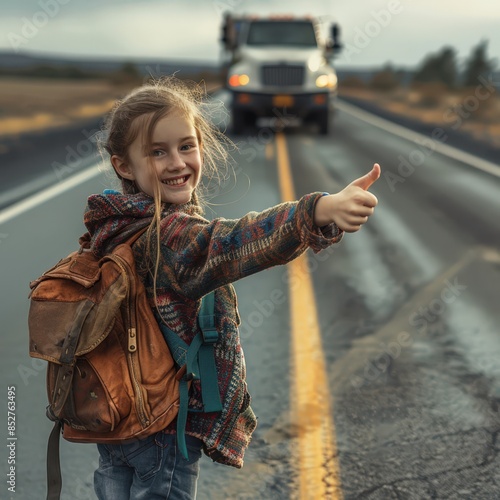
(54, 480)
(206, 356)
(199, 359)
(136, 235)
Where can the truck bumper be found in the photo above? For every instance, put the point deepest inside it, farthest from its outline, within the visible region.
(289, 104)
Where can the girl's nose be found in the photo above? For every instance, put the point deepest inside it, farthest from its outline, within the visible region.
(176, 162)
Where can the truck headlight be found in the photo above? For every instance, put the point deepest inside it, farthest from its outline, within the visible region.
(326, 81)
(239, 80)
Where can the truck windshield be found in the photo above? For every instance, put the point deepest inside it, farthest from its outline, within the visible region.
(296, 33)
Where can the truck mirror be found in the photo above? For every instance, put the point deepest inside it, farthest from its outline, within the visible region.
(227, 33)
(335, 33)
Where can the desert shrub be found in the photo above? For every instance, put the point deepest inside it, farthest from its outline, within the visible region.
(353, 82)
(385, 80)
(429, 95)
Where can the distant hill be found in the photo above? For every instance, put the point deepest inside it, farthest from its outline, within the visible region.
(366, 74)
(11, 61)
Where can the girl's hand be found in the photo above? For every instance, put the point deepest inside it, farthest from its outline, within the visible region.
(351, 207)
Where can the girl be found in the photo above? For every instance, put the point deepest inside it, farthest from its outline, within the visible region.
(160, 144)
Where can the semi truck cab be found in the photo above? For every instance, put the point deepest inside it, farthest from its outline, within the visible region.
(279, 66)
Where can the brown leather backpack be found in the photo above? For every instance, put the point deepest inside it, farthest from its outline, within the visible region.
(111, 377)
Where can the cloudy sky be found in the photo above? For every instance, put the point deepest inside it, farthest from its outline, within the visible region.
(374, 32)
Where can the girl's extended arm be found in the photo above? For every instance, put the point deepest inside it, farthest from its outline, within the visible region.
(351, 207)
(201, 256)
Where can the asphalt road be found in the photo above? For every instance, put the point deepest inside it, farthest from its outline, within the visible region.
(407, 309)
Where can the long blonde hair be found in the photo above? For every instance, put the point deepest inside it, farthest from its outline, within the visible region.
(139, 112)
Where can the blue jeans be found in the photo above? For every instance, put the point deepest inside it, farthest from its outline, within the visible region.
(148, 469)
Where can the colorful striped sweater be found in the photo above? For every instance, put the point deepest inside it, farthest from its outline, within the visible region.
(198, 256)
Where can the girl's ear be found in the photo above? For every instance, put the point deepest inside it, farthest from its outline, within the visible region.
(122, 168)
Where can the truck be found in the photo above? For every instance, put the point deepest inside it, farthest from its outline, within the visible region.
(279, 66)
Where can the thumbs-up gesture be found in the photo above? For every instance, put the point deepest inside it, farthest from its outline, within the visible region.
(351, 207)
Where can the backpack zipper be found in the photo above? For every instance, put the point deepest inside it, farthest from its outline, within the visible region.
(134, 367)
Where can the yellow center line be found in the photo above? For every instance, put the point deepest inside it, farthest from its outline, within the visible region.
(318, 468)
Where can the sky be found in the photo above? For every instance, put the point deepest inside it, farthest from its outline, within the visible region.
(374, 32)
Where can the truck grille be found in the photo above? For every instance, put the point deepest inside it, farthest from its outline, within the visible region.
(282, 75)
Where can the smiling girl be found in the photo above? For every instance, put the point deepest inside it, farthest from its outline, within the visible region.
(176, 157)
(160, 144)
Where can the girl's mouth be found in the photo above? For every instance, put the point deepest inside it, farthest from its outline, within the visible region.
(177, 181)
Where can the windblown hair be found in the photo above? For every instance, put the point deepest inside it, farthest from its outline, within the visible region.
(139, 112)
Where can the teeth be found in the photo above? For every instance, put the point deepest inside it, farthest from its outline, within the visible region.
(173, 182)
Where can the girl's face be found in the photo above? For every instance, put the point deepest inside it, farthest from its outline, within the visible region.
(176, 156)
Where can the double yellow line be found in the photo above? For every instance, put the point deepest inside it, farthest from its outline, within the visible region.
(319, 472)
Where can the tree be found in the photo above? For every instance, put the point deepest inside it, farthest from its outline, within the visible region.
(478, 64)
(386, 79)
(440, 67)
(127, 74)
(129, 69)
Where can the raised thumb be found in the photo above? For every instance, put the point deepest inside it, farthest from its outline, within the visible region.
(368, 179)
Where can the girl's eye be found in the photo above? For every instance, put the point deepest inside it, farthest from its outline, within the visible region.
(157, 152)
(187, 147)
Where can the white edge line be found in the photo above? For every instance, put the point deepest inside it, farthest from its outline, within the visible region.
(48, 193)
(410, 135)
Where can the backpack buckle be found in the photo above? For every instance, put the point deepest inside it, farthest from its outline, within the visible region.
(210, 335)
(50, 414)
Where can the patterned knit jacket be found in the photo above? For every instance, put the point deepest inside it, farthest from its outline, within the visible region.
(198, 256)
